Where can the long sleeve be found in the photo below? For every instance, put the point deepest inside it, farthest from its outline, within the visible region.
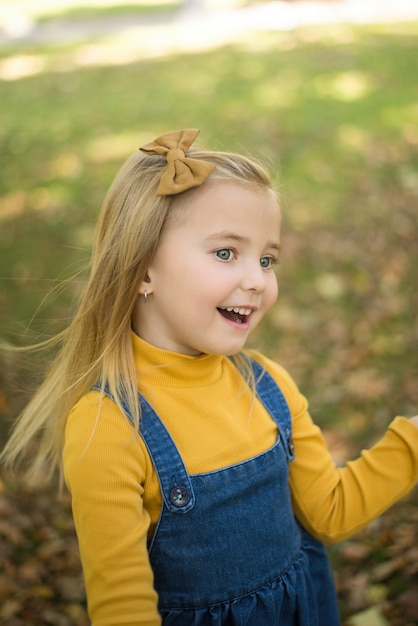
(104, 466)
(214, 422)
(334, 503)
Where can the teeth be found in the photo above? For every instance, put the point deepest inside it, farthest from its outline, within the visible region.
(236, 309)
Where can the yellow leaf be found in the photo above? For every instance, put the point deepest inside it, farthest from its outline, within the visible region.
(370, 617)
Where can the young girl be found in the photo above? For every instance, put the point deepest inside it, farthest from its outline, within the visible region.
(201, 489)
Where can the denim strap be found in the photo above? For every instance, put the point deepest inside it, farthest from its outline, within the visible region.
(176, 488)
(270, 394)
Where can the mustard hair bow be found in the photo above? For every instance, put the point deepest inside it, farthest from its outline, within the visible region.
(181, 172)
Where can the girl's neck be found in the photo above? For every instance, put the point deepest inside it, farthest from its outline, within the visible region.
(160, 367)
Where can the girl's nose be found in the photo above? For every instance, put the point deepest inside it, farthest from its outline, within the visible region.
(254, 278)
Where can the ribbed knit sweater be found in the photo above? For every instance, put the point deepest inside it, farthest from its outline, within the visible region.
(215, 422)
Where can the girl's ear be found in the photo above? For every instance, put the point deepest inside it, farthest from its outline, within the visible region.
(145, 285)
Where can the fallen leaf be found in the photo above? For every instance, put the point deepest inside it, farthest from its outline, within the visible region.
(409, 602)
(369, 617)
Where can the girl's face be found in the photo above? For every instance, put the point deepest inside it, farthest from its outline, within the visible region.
(212, 278)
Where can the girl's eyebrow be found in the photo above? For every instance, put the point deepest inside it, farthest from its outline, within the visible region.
(235, 237)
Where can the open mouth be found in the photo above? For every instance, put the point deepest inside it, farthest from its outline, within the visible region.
(239, 315)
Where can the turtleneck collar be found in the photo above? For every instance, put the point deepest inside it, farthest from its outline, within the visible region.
(171, 369)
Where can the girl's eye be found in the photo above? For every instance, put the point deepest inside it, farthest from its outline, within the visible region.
(225, 254)
(267, 261)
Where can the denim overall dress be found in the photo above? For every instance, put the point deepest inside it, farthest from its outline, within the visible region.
(227, 550)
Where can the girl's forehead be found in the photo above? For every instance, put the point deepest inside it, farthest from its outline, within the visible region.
(227, 194)
(229, 206)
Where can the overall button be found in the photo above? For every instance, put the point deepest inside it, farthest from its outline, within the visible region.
(179, 496)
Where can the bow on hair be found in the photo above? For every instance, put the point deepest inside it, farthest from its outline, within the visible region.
(181, 172)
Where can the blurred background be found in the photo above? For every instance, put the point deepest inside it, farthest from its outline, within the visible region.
(327, 94)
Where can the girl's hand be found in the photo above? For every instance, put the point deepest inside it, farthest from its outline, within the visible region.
(414, 420)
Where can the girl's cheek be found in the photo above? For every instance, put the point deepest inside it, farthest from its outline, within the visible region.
(274, 294)
(274, 286)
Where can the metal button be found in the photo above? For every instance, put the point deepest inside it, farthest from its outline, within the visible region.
(179, 496)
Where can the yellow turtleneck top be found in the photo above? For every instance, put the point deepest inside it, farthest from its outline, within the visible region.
(210, 415)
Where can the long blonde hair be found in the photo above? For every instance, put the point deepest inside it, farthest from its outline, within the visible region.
(97, 345)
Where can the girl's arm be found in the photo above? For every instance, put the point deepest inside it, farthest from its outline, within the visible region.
(104, 470)
(334, 503)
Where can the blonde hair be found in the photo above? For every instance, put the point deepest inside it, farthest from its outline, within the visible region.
(97, 345)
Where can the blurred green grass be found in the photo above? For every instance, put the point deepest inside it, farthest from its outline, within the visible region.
(42, 10)
(334, 111)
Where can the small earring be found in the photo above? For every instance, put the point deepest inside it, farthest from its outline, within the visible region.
(145, 296)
